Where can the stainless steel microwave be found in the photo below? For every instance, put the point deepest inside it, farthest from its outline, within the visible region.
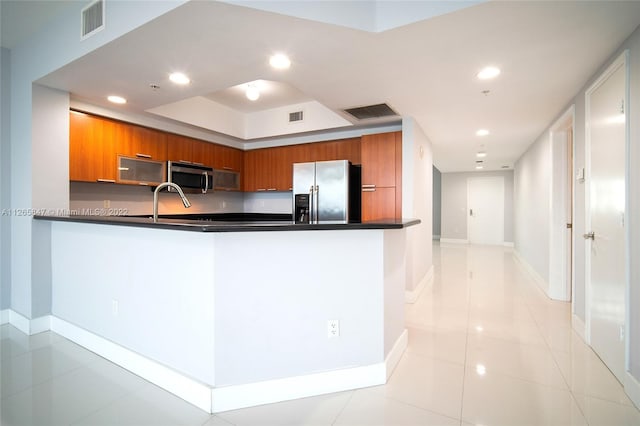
(190, 177)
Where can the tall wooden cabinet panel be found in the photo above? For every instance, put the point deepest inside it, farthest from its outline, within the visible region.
(381, 156)
(91, 148)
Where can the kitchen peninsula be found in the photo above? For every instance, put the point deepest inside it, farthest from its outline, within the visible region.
(230, 315)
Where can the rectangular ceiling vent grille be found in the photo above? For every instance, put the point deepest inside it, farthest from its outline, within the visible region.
(371, 111)
(92, 19)
(296, 116)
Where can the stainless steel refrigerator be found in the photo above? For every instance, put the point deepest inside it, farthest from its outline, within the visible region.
(326, 192)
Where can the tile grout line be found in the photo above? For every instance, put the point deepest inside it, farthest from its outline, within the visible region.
(555, 360)
(466, 347)
(343, 408)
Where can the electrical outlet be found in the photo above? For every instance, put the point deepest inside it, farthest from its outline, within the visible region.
(333, 328)
(115, 308)
(106, 204)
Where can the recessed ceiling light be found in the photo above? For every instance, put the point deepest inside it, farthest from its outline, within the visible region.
(280, 61)
(488, 72)
(117, 99)
(479, 167)
(179, 78)
(252, 92)
(481, 154)
(482, 132)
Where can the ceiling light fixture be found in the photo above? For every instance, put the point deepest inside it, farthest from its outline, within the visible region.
(479, 167)
(488, 73)
(117, 99)
(482, 132)
(252, 92)
(280, 61)
(179, 78)
(481, 154)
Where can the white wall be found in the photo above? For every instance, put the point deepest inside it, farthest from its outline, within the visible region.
(437, 203)
(5, 178)
(532, 202)
(54, 46)
(533, 198)
(417, 200)
(454, 204)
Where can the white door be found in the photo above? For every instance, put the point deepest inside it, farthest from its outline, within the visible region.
(485, 215)
(605, 249)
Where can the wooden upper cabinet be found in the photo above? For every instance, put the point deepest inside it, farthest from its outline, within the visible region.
(141, 142)
(179, 148)
(378, 155)
(227, 158)
(203, 153)
(91, 148)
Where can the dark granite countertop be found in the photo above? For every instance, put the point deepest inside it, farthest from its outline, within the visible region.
(228, 222)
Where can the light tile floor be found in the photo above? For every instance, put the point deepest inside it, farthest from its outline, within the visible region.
(486, 347)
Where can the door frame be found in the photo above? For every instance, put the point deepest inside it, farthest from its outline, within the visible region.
(559, 263)
(621, 61)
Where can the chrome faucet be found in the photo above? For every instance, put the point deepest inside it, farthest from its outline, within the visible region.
(185, 201)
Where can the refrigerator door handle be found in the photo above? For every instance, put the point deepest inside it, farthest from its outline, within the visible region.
(311, 206)
(316, 204)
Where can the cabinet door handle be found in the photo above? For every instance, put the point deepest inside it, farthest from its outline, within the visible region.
(368, 190)
(227, 168)
(106, 180)
(184, 161)
(369, 185)
(143, 183)
(272, 189)
(261, 189)
(142, 155)
(198, 164)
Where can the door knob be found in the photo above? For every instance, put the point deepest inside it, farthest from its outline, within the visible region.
(589, 236)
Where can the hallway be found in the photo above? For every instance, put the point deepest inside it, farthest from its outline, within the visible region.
(486, 347)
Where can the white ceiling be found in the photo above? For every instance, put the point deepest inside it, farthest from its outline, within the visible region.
(426, 70)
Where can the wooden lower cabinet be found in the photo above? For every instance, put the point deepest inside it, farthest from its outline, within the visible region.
(379, 203)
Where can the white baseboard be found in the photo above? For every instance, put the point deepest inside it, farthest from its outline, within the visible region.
(20, 322)
(632, 389)
(39, 325)
(24, 324)
(182, 386)
(215, 400)
(537, 278)
(271, 391)
(410, 296)
(509, 244)
(393, 358)
(579, 327)
(453, 241)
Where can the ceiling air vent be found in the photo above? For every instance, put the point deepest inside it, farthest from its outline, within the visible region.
(371, 111)
(92, 19)
(294, 117)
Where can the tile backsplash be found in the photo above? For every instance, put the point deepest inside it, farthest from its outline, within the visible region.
(138, 200)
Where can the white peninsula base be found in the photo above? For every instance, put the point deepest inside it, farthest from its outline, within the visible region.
(227, 320)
